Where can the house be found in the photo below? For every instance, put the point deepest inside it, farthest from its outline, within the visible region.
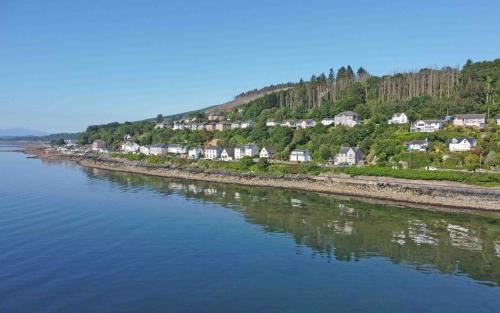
(158, 149)
(347, 118)
(195, 153)
(398, 118)
(235, 125)
(289, 123)
(427, 126)
(130, 147)
(209, 126)
(328, 121)
(144, 150)
(247, 124)
(267, 152)
(249, 150)
(215, 116)
(498, 119)
(300, 156)
(470, 120)
(221, 126)
(99, 145)
(227, 154)
(179, 126)
(417, 145)
(212, 152)
(164, 124)
(176, 149)
(69, 143)
(272, 122)
(461, 144)
(349, 156)
(305, 123)
(193, 126)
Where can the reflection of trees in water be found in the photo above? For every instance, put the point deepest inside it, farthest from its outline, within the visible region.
(349, 229)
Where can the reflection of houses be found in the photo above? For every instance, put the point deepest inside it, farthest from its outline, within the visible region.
(461, 144)
(470, 120)
(427, 126)
(346, 229)
(398, 118)
(462, 237)
(296, 202)
(399, 237)
(417, 145)
(420, 234)
(300, 156)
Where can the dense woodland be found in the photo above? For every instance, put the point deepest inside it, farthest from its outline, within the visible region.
(427, 93)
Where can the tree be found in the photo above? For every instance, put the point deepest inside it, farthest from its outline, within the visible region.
(331, 75)
(159, 118)
(246, 162)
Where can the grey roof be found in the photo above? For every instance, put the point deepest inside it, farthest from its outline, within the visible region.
(460, 139)
(416, 142)
(300, 151)
(246, 145)
(270, 149)
(176, 145)
(430, 121)
(357, 152)
(471, 116)
(159, 145)
(229, 151)
(498, 117)
(348, 113)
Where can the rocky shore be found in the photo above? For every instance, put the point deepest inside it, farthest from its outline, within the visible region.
(415, 193)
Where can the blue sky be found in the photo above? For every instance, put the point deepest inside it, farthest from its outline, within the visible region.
(67, 64)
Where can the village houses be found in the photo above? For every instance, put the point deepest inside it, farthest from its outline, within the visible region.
(214, 116)
(427, 126)
(417, 145)
(195, 153)
(176, 149)
(347, 118)
(306, 123)
(328, 121)
(209, 126)
(470, 120)
(221, 126)
(249, 150)
(158, 149)
(349, 156)
(212, 152)
(99, 146)
(461, 144)
(130, 147)
(300, 156)
(398, 118)
(163, 124)
(227, 154)
(267, 152)
(272, 122)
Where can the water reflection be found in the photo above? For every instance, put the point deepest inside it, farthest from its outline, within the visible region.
(348, 229)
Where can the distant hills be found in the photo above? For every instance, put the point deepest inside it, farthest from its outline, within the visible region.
(21, 132)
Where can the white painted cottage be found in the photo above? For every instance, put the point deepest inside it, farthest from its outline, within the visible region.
(300, 156)
(130, 147)
(347, 118)
(417, 145)
(461, 144)
(427, 126)
(249, 150)
(195, 153)
(212, 152)
(349, 156)
(305, 123)
(176, 149)
(398, 118)
(158, 149)
(328, 121)
(267, 152)
(272, 122)
(470, 120)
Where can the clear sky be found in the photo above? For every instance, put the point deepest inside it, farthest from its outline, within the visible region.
(67, 64)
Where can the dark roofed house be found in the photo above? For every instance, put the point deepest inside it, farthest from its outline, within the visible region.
(347, 118)
(267, 152)
(349, 156)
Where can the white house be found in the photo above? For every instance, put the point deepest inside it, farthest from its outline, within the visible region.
(470, 120)
(461, 144)
(195, 153)
(267, 152)
(235, 125)
(306, 123)
(158, 149)
(349, 156)
(328, 121)
(347, 118)
(130, 147)
(227, 154)
(398, 118)
(300, 156)
(164, 124)
(427, 126)
(176, 149)
(272, 122)
(178, 126)
(247, 124)
(249, 150)
(144, 150)
(212, 152)
(417, 145)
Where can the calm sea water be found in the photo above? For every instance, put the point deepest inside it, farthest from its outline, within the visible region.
(81, 240)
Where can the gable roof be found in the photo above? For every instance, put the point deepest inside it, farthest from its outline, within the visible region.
(470, 116)
(229, 151)
(461, 139)
(269, 149)
(357, 152)
(417, 142)
(348, 113)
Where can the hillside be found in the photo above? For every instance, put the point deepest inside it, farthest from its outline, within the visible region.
(424, 94)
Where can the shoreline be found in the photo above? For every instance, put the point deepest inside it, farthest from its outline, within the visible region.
(422, 194)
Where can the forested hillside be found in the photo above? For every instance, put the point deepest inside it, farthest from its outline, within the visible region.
(427, 93)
